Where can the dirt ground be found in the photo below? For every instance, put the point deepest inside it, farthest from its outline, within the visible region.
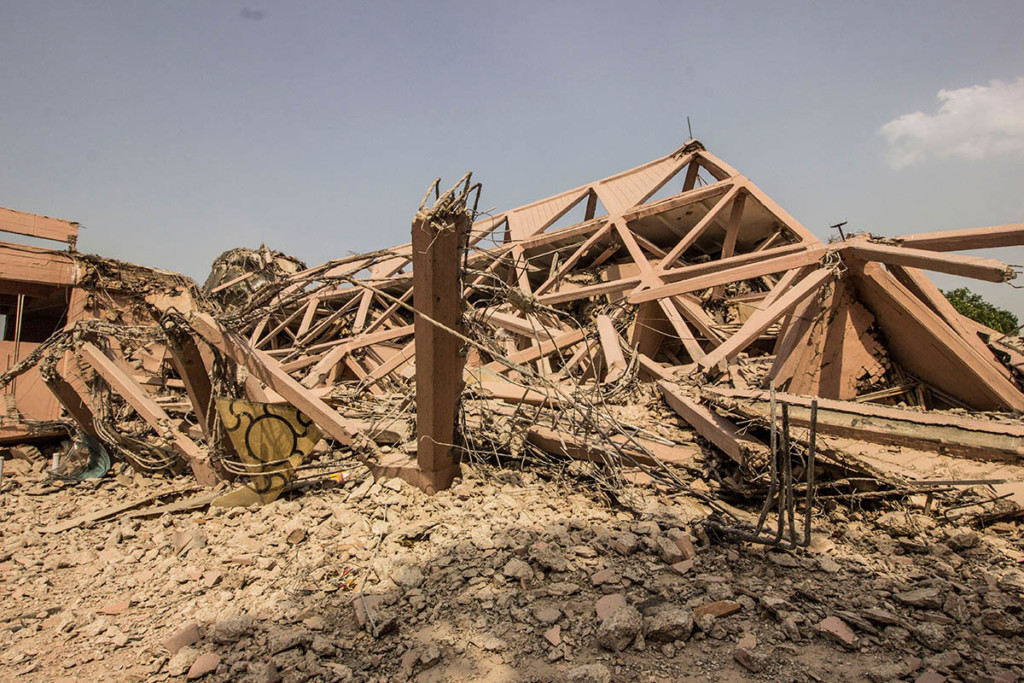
(505, 577)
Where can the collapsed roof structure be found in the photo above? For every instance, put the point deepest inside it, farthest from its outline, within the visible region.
(601, 325)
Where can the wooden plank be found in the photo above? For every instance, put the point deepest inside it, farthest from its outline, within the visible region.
(270, 373)
(125, 385)
(992, 237)
(743, 448)
(33, 225)
(762, 319)
(986, 269)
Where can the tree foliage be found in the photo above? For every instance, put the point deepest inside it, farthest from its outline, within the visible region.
(971, 305)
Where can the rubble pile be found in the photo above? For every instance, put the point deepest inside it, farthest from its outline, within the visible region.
(657, 418)
(505, 576)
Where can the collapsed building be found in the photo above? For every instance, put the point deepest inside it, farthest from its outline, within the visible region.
(621, 329)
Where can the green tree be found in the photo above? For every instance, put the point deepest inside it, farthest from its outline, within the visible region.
(971, 305)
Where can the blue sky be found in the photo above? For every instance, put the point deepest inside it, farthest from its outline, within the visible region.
(174, 131)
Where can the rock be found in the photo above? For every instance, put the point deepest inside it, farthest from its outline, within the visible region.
(285, 638)
(956, 607)
(948, 660)
(232, 630)
(322, 646)
(296, 536)
(1012, 582)
(590, 673)
(835, 629)
(885, 673)
(718, 609)
(549, 556)
(430, 656)
(206, 663)
(880, 616)
(783, 559)
(904, 523)
(748, 660)
(668, 551)
(554, 635)
(604, 576)
(930, 676)
(517, 569)
(684, 543)
(182, 661)
(922, 598)
(183, 637)
(620, 629)
(932, 636)
(407, 576)
(668, 625)
(625, 543)
(608, 604)
(547, 615)
(1000, 622)
(963, 539)
(683, 567)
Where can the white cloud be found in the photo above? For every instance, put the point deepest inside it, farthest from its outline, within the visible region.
(976, 122)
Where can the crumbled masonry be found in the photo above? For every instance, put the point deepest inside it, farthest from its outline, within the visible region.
(646, 421)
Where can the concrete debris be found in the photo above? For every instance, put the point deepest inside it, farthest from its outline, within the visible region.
(560, 460)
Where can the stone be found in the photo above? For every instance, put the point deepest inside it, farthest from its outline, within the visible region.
(183, 637)
(904, 523)
(231, 630)
(683, 567)
(921, 598)
(554, 635)
(608, 604)
(517, 569)
(590, 673)
(836, 630)
(885, 673)
(879, 616)
(684, 543)
(549, 556)
(407, 576)
(620, 629)
(182, 661)
(114, 608)
(956, 607)
(783, 559)
(930, 676)
(296, 536)
(1012, 582)
(430, 656)
(284, 638)
(668, 625)
(205, 663)
(547, 615)
(749, 660)
(668, 551)
(604, 576)
(932, 636)
(1000, 622)
(963, 539)
(625, 543)
(717, 609)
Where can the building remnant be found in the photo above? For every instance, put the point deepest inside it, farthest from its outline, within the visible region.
(577, 324)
